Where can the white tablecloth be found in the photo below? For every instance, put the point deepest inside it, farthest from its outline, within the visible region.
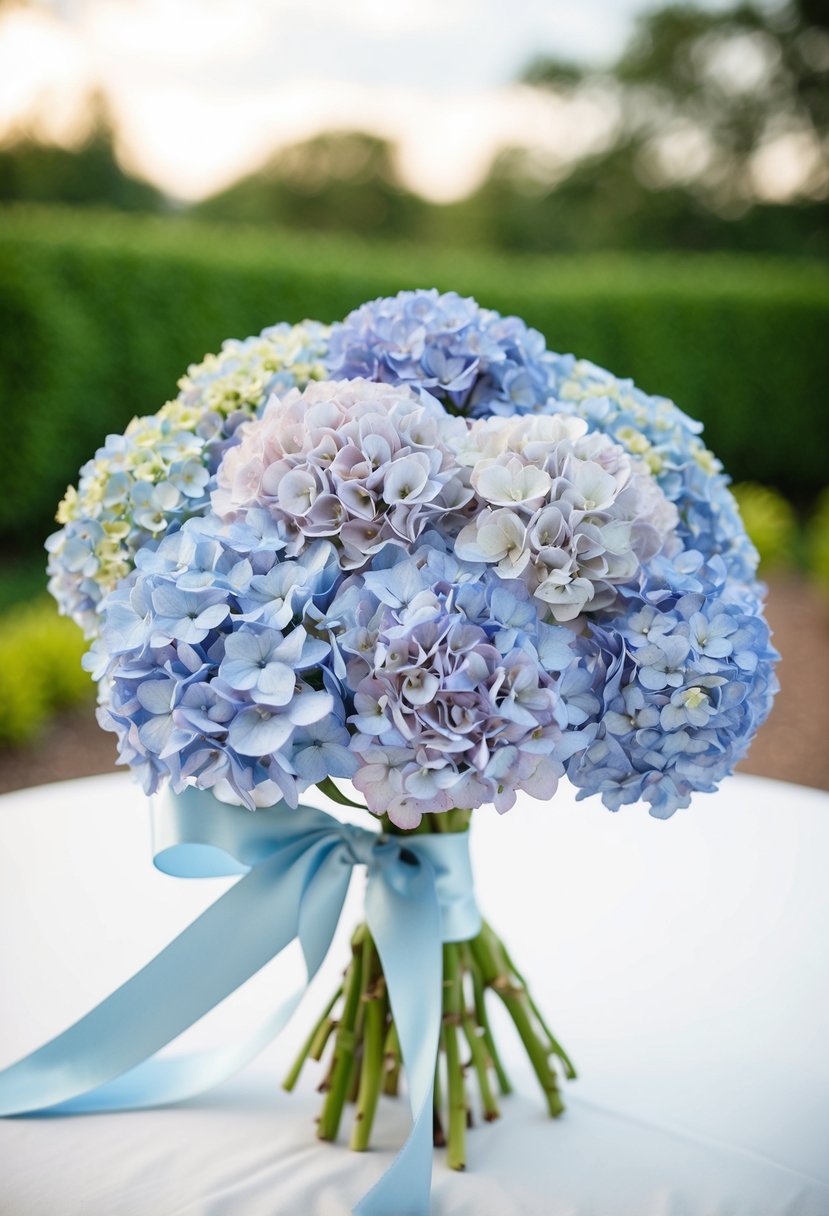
(685, 965)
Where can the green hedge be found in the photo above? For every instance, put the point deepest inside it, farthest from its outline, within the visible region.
(100, 315)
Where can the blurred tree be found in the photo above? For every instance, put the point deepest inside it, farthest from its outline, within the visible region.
(602, 204)
(721, 136)
(338, 181)
(89, 172)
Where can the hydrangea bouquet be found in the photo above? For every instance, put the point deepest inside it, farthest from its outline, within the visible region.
(420, 552)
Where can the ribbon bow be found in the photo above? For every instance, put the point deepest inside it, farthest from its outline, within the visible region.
(296, 866)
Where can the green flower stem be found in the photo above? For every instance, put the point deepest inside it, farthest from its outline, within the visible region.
(452, 1017)
(353, 1087)
(518, 1009)
(324, 1031)
(345, 1044)
(371, 1069)
(357, 1060)
(391, 1056)
(488, 952)
(438, 1134)
(480, 1063)
(557, 1049)
(478, 990)
(309, 1045)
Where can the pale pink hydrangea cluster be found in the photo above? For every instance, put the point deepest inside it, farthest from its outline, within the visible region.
(360, 463)
(567, 511)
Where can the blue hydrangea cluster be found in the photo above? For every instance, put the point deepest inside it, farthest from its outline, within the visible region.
(212, 671)
(684, 676)
(473, 360)
(392, 577)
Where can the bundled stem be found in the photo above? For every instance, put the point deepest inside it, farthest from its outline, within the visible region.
(456, 1090)
(365, 1059)
(392, 1061)
(490, 957)
(374, 1032)
(325, 1024)
(345, 1045)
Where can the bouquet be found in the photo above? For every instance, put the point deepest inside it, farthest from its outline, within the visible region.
(419, 552)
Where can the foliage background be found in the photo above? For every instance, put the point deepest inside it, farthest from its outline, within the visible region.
(99, 319)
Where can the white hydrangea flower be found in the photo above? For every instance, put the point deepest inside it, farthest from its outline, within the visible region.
(568, 511)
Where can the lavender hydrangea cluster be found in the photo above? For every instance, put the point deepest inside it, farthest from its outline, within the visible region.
(440, 561)
(159, 472)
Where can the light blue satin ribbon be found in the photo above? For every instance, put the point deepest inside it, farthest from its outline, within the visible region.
(295, 867)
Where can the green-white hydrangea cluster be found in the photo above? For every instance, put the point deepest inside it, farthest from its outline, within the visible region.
(159, 472)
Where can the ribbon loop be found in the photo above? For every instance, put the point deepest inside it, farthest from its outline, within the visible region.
(295, 866)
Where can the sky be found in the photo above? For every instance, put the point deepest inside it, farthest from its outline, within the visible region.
(204, 90)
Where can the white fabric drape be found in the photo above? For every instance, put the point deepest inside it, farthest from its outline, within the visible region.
(684, 965)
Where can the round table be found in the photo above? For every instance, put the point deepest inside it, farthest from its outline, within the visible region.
(684, 965)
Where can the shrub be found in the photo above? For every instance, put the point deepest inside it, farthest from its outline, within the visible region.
(818, 541)
(770, 522)
(40, 669)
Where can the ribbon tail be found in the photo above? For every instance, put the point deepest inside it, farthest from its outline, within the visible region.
(103, 1061)
(158, 1082)
(404, 917)
(162, 1081)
